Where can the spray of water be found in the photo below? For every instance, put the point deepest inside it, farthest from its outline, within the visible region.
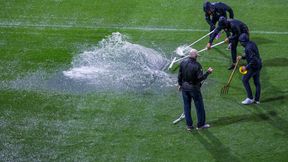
(183, 50)
(117, 63)
(114, 64)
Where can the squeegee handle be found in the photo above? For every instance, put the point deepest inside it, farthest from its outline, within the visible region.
(217, 44)
(200, 39)
(173, 61)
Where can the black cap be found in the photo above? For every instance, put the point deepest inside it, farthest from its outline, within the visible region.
(222, 21)
(206, 6)
(244, 37)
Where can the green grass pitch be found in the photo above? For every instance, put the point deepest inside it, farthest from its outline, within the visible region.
(43, 36)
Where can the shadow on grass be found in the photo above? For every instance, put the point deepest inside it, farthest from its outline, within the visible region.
(223, 121)
(271, 92)
(216, 148)
(275, 120)
(275, 98)
(261, 40)
(276, 62)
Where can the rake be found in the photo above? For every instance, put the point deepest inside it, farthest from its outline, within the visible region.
(225, 89)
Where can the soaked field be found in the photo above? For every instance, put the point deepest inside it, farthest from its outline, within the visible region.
(88, 81)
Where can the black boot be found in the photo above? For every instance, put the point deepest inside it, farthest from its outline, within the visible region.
(231, 67)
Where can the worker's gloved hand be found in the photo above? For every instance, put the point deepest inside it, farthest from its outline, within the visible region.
(239, 57)
(243, 69)
(210, 70)
(208, 46)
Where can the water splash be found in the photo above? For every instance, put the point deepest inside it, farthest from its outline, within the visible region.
(117, 63)
(114, 64)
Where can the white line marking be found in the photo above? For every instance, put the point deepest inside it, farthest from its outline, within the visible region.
(25, 25)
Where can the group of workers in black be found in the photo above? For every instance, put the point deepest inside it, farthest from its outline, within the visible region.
(191, 74)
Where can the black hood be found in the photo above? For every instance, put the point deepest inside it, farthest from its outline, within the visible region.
(207, 6)
(244, 39)
(223, 23)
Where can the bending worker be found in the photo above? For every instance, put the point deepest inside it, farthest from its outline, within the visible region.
(189, 80)
(234, 26)
(213, 11)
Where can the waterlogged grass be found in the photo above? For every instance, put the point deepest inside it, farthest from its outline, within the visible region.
(134, 127)
(50, 125)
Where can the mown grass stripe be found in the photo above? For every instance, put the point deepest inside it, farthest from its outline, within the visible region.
(21, 25)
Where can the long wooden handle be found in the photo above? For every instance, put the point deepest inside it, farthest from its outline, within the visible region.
(232, 74)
